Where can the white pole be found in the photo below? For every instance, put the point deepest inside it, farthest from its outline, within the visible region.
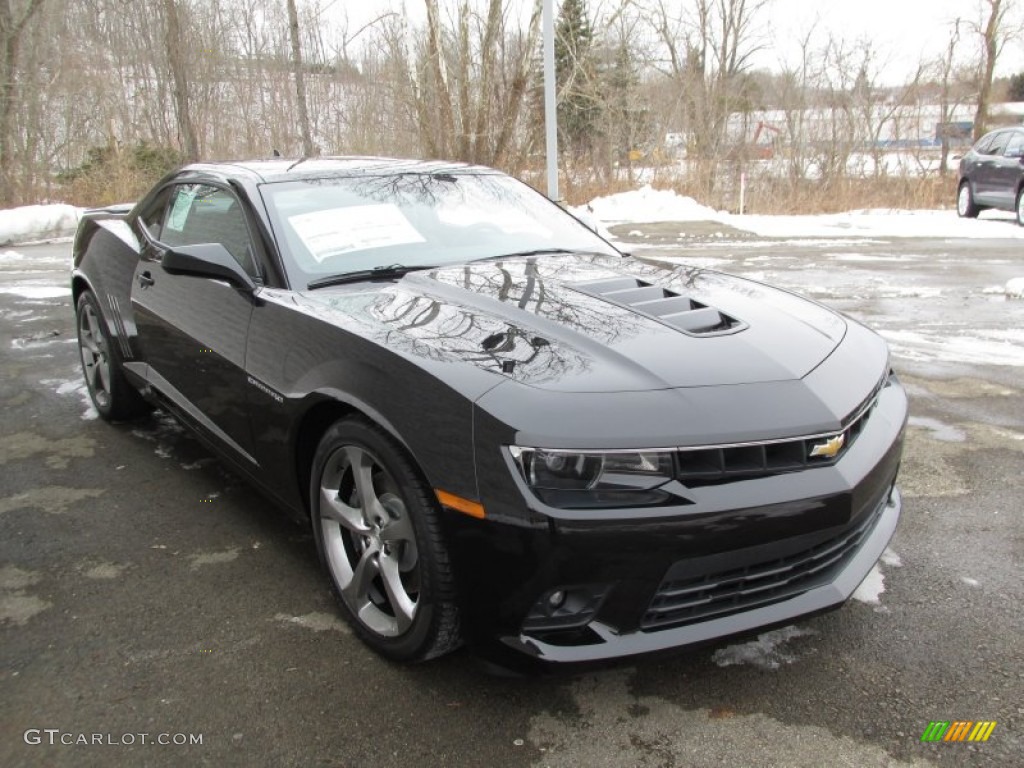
(550, 113)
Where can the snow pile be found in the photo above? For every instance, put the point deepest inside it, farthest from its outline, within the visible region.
(647, 205)
(37, 222)
(881, 223)
(1015, 288)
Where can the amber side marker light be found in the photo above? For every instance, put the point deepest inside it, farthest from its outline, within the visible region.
(459, 504)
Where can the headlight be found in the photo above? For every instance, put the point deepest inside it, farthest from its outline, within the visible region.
(588, 479)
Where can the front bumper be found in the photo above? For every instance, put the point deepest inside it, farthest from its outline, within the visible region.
(816, 600)
(826, 527)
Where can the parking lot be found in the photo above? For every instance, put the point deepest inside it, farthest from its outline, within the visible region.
(144, 589)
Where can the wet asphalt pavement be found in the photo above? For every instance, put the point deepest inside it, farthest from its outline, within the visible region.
(146, 590)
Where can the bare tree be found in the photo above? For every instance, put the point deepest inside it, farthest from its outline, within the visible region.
(946, 69)
(179, 77)
(13, 20)
(468, 82)
(308, 149)
(995, 33)
(708, 45)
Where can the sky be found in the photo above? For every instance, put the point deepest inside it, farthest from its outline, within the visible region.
(901, 30)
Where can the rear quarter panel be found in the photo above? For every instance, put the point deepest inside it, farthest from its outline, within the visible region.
(104, 256)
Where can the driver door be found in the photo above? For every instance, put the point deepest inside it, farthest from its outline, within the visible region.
(192, 330)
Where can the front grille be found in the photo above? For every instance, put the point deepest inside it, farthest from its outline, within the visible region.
(710, 465)
(684, 601)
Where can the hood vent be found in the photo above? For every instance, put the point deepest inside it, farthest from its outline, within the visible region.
(681, 312)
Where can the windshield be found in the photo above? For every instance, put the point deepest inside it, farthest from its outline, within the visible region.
(335, 225)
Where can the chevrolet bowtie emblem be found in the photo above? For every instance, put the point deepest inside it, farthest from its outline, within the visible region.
(829, 448)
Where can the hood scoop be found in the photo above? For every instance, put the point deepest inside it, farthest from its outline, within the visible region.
(673, 309)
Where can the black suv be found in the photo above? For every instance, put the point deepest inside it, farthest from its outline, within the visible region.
(992, 174)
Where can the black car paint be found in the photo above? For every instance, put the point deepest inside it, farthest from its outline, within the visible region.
(260, 375)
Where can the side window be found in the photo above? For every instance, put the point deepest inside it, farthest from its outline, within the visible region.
(153, 217)
(1015, 147)
(200, 213)
(999, 143)
(984, 145)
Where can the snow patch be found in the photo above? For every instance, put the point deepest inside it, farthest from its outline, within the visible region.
(940, 431)
(37, 222)
(318, 622)
(865, 257)
(1015, 288)
(212, 558)
(198, 463)
(37, 291)
(871, 589)
(766, 652)
(74, 386)
(891, 558)
(995, 347)
(969, 581)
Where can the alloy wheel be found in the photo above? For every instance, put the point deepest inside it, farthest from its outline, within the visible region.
(963, 200)
(369, 541)
(95, 356)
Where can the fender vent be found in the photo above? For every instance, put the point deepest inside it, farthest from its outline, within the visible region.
(681, 312)
(120, 330)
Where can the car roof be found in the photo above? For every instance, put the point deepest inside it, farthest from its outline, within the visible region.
(294, 169)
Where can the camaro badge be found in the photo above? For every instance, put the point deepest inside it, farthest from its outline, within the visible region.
(830, 447)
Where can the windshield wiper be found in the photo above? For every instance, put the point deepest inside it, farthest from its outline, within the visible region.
(376, 273)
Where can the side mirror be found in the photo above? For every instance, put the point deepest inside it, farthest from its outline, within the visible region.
(207, 260)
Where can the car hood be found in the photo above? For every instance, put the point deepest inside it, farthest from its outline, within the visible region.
(596, 323)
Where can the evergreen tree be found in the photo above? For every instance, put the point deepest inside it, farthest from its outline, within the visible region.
(1015, 91)
(578, 107)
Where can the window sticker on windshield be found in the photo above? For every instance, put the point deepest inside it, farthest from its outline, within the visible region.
(337, 231)
(182, 205)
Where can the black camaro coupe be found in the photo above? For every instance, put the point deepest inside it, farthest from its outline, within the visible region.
(502, 431)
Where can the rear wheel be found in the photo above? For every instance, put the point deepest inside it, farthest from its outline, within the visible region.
(965, 205)
(1020, 207)
(113, 397)
(377, 533)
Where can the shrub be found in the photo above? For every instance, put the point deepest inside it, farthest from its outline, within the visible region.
(114, 174)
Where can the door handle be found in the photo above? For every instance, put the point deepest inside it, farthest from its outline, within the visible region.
(146, 280)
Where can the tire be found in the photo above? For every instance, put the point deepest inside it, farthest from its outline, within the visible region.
(1020, 207)
(966, 208)
(386, 559)
(111, 394)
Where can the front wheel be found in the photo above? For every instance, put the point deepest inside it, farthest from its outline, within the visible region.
(1020, 207)
(375, 523)
(111, 394)
(965, 205)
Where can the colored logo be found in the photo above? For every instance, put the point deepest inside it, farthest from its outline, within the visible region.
(958, 730)
(829, 448)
